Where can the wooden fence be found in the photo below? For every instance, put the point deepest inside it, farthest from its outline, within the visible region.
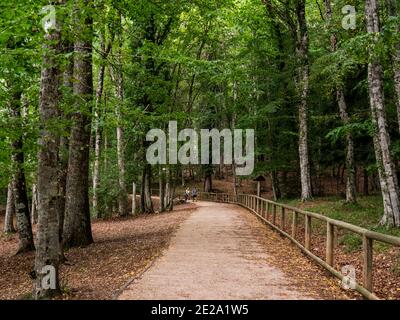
(268, 211)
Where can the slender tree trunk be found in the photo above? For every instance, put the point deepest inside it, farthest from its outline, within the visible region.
(123, 195)
(10, 210)
(394, 11)
(234, 179)
(77, 226)
(275, 185)
(34, 211)
(146, 202)
(350, 165)
(97, 145)
(182, 176)
(208, 183)
(366, 184)
(48, 238)
(168, 203)
(20, 193)
(68, 48)
(303, 88)
(118, 78)
(387, 174)
(161, 191)
(133, 199)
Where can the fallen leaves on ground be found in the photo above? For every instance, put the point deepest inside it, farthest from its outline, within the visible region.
(123, 249)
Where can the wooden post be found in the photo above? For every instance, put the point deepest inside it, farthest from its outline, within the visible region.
(283, 218)
(257, 204)
(262, 208)
(133, 198)
(330, 240)
(367, 268)
(273, 214)
(294, 224)
(258, 188)
(307, 240)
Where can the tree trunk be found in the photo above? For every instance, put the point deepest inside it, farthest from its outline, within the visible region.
(161, 189)
(146, 203)
(366, 184)
(234, 179)
(182, 176)
(350, 165)
(133, 199)
(123, 195)
(48, 238)
(387, 174)
(68, 74)
(275, 185)
(97, 146)
(20, 193)
(303, 89)
(34, 211)
(77, 226)
(393, 11)
(208, 183)
(10, 210)
(168, 203)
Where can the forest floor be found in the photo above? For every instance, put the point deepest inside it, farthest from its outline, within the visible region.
(123, 248)
(222, 252)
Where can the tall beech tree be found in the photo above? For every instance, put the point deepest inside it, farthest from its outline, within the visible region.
(77, 225)
(49, 166)
(10, 210)
(344, 115)
(386, 168)
(302, 46)
(19, 182)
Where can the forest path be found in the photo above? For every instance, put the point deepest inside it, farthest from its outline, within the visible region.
(214, 255)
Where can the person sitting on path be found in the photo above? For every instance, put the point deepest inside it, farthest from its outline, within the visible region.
(194, 194)
(187, 194)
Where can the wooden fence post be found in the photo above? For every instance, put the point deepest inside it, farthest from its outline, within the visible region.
(367, 265)
(273, 213)
(283, 218)
(263, 209)
(330, 241)
(294, 224)
(307, 240)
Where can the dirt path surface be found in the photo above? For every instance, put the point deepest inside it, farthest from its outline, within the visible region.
(217, 254)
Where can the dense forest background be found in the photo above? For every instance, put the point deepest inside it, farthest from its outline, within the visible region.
(82, 82)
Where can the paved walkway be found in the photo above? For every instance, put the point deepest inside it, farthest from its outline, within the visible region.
(213, 256)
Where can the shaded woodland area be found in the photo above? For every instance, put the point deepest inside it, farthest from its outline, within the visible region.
(83, 81)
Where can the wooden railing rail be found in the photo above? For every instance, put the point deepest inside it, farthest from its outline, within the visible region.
(268, 211)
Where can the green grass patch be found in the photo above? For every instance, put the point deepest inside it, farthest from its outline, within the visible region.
(366, 213)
